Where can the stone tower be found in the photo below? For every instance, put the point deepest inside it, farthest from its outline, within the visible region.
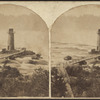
(10, 40)
(98, 41)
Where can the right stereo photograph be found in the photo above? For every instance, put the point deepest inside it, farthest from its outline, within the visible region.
(75, 53)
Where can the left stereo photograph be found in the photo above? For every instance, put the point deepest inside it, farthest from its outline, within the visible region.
(24, 53)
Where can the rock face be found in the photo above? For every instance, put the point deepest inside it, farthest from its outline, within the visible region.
(68, 58)
(38, 62)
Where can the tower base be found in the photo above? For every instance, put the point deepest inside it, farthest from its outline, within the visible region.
(94, 51)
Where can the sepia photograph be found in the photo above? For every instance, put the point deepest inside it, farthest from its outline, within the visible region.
(49, 49)
(75, 53)
(24, 43)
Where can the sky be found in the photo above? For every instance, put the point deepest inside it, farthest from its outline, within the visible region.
(78, 25)
(29, 28)
(9, 9)
(49, 11)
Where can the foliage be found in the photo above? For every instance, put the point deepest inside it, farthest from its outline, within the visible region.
(83, 82)
(57, 84)
(13, 83)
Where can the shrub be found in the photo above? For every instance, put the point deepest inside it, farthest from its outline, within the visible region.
(57, 84)
(83, 82)
(13, 83)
